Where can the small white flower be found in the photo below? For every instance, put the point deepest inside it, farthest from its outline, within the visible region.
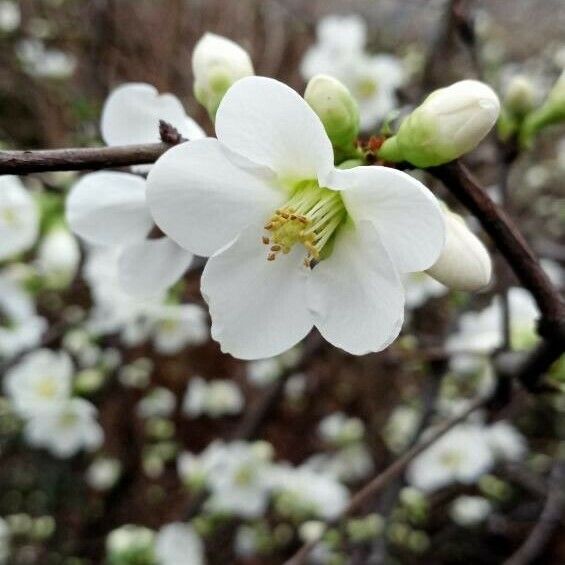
(215, 399)
(239, 479)
(217, 62)
(294, 242)
(41, 380)
(10, 16)
(65, 428)
(109, 208)
(179, 325)
(59, 257)
(339, 429)
(103, 473)
(130, 543)
(400, 427)
(349, 464)
(339, 52)
(310, 492)
(469, 510)
(42, 62)
(19, 217)
(160, 402)
(177, 544)
(506, 441)
(264, 371)
(20, 326)
(481, 332)
(460, 456)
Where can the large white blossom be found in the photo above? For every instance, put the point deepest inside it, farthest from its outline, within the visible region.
(19, 217)
(109, 208)
(20, 326)
(293, 241)
(340, 52)
(41, 380)
(65, 428)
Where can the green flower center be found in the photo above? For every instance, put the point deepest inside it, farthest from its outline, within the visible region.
(366, 87)
(311, 218)
(46, 388)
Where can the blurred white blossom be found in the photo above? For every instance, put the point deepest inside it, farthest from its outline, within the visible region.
(214, 398)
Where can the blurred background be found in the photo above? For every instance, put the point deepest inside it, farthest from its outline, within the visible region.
(59, 59)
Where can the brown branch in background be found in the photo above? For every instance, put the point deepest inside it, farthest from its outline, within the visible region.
(393, 471)
(548, 521)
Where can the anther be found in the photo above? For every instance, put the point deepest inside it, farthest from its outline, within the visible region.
(265, 240)
(271, 257)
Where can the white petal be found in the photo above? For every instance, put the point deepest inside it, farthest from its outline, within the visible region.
(151, 266)
(258, 307)
(109, 208)
(355, 294)
(272, 125)
(132, 112)
(191, 130)
(405, 213)
(202, 200)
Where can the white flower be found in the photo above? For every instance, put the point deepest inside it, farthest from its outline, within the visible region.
(59, 256)
(109, 208)
(10, 16)
(130, 544)
(19, 217)
(481, 332)
(308, 492)
(464, 263)
(420, 287)
(339, 52)
(239, 479)
(177, 544)
(450, 122)
(42, 62)
(103, 473)
(264, 371)
(339, 429)
(349, 464)
(460, 456)
(5, 535)
(469, 510)
(65, 428)
(217, 62)
(20, 326)
(506, 441)
(160, 402)
(41, 380)
(400, 427)
(179, 325)
(269, 178)
(212, 398)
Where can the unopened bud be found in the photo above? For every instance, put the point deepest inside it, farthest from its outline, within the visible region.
(449, 123)
(336, 107)
(520, 96)
(464, 263)
(217, 62)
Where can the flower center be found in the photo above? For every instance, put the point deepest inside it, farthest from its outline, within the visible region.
(310, 217)
(451, 459)
(366, 87)
(46, 388)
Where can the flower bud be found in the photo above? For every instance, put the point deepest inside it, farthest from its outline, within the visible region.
(464, 263)
(217, 62)
(59, 257)
(336, 107)
(449, 123)
(520, 96)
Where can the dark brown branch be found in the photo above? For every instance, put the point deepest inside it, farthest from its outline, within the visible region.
(548, 522)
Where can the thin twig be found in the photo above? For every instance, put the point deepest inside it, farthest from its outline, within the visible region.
(548, 522)
(394, 470)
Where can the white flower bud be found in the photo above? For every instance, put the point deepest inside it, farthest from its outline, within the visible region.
(464, 263)
(217, 62)
(59, 257)
(520, 96)
(449, 123)
(336, 107)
